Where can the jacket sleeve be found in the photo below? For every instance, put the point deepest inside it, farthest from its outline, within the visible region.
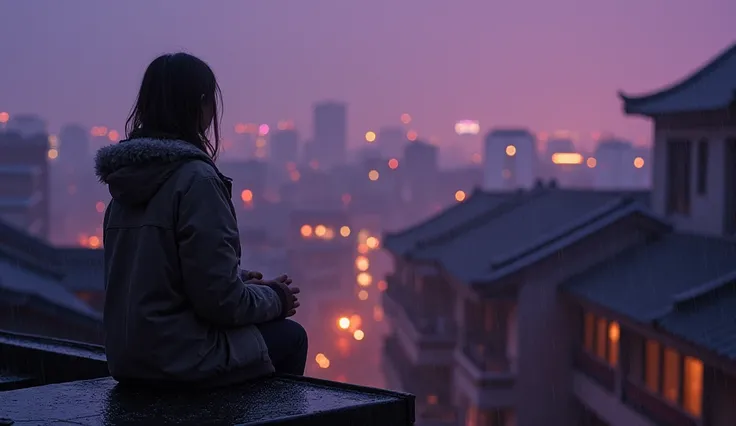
(207, 237)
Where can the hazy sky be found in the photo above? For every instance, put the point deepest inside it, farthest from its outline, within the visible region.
(546, 64)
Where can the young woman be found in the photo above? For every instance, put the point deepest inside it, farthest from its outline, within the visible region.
(178, 307)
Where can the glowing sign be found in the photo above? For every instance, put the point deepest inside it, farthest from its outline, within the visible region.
(567, 158)
(467, 127)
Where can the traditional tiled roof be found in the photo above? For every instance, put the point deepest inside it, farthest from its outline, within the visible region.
(713, 87)
(642, 283)
(477, 204)
(84, 269)
(708, 320)
(518, 229)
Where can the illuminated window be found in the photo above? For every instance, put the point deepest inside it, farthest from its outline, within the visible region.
(671, 375)
(651, 367)
(589, 331)
(614, 335)
(692, 391)
(600, 338)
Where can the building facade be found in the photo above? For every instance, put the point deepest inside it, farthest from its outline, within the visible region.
(561, 306)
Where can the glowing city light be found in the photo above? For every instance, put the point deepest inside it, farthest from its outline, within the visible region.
(567, 158)
(373, 175)
(476, 158)
(356, 321)
(411, 135)
(285, 125)
(52, 154)
(98, 131)
(372, 242)
(393, 164)
(306, 231)
(467, 127)
(382, 285)
(294, 175)
(100, 207)
(263, 129)
(405, 118)
(363, 248)
(591, 162)
(320, 230)
(362, 263)
(510, 150)
(343, 323)
(370, 137)
(460, 196)
(345, 231)
(346, 198)
(322, 360)
(241, 128)
(363, 295)
(638, 162)
(4, 117)
(113, 135)
(246, 195)
(364, 279)
(53, 141)
(94, 242)
(329, 234)
(358, 335)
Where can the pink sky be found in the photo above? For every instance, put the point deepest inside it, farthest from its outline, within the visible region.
(543, 64)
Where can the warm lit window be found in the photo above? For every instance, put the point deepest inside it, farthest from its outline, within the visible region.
(692, 391)
(601, 337)
(614, 335)
(651, 368)
(671, 375)
(589, 331)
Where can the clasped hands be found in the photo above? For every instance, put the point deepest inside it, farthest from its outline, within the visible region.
(282, 281)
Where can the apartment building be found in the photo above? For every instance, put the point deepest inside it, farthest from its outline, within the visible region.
(563, 307)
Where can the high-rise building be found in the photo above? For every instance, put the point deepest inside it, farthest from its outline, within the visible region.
(510, 159)
(284, 146)
(27, 125)
(614, 165)
(391, 141)
(420, 170)
(24, 196)
(330, 134)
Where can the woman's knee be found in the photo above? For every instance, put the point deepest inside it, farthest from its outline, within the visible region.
(297, 333)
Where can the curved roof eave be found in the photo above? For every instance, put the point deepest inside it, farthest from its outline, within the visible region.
(632, 100)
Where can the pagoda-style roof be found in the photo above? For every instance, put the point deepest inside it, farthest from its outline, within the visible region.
(712, 87)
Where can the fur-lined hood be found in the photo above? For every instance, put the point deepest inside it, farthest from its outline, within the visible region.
(135, 169)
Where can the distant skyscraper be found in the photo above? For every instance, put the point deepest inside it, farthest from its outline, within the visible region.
(330, 134)
(420, 169)
(284, 147)
(27, 125)
(73, 144)
(510, 159)
(25, 203)
(614, 165)
(391, 141)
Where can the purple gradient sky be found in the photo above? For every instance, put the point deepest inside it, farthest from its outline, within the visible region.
(544, 64)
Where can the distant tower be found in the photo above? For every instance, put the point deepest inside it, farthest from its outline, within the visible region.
(420, 170)
(284, 146)
(510, 159)
(330, 134)
(391, 141)
(614, 168)
(27, 125)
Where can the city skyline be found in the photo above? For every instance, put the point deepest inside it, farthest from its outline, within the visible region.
(297, 63)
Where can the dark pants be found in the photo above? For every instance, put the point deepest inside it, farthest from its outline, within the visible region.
(287, 345)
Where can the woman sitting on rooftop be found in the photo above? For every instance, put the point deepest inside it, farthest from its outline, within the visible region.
(178, 307)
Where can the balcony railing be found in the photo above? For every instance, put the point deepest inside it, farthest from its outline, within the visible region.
(638, 397)
(596, 369)
(426, 323)
(488, 360)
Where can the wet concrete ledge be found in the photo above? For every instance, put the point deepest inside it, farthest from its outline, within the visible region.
(57, 397)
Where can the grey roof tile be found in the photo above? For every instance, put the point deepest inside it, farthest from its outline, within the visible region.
(642, 283)
(477, 204)
(708, 321)
(20, 280)
(468, 251)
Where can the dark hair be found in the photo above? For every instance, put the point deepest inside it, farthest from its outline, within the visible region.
(175, 91)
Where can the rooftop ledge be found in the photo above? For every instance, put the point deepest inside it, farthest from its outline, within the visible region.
(46, 381)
